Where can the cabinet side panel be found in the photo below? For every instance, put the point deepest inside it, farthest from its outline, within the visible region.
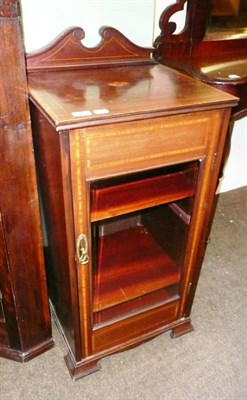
(61, 281)
(204, 206)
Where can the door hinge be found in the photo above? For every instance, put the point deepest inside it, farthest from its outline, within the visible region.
(214, 160)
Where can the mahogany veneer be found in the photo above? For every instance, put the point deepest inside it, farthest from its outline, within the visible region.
(128, 153)
(25, 324)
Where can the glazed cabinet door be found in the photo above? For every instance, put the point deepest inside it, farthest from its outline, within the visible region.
(130, 250)
(139, 229)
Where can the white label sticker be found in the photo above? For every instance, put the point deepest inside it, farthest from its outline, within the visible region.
(233, 76)
(101, 111)
(85, 113)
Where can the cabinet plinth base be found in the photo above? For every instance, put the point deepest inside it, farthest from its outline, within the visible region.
(92, 363)
(182, 329)
(80, 369)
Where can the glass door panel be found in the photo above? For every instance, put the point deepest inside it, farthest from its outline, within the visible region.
(138, 247)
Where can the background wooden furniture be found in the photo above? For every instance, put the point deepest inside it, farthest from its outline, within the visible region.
(25, 326)
(213, 51)
(128, 153)
(215, 55)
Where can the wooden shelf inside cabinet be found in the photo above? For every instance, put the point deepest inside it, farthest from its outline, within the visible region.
(137, 305)
(126, 154)
(131, 264)
(122, 198)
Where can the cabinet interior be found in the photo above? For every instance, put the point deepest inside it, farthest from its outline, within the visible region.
(139, 224)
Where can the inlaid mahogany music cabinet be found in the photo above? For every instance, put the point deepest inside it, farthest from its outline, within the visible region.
(128, 154)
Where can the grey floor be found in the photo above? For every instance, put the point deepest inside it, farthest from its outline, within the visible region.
(209, 363)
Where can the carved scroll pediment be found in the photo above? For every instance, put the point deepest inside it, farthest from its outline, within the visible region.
(168, 42)
(67, 51)
(168, 27)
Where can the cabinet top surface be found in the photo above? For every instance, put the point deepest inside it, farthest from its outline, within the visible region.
(82, 97)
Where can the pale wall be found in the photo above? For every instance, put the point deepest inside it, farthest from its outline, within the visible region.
(138, 20)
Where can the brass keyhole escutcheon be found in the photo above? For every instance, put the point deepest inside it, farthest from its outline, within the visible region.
(82, 249)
